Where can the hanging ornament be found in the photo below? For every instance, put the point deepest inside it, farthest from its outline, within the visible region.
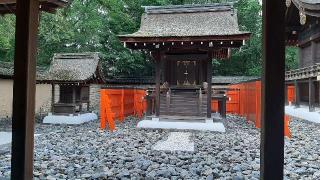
(288, 3)
(303, 17)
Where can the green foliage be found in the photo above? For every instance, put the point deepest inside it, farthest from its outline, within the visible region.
(7, 36)
(93, 25)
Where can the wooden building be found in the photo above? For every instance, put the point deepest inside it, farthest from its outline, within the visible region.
(76, 79)
(303, 31)
(183, 40)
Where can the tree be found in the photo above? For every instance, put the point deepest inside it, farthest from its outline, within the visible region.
(93, 25)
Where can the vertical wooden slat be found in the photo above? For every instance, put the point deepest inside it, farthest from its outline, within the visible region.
(209, 81)
(312, 96)
(27, 20)
(157, 59)
(273, 80)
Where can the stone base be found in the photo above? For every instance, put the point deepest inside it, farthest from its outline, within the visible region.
(71, 119)
(201, 126)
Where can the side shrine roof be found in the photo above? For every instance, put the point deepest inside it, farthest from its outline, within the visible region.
(188, 21)
(9, 6)
(7, 70)
(75, 67)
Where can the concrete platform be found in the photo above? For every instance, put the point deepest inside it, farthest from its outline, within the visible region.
(5, 138)
(208, 125)
(71, 119)
(303, 113)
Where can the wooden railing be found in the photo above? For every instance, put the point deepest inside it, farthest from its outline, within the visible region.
(303, 73)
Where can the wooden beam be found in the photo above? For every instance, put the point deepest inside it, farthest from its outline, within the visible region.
(186, 57)
(312, 96)
(209, 81)
(24, 89)
(297, 93)
(239, 37)
(272, 132)
(157, 59)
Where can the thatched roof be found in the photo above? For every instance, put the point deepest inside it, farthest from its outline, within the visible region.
(232, 79)
(9, 6)
(188, 21)
(7, 70)
(74, 67)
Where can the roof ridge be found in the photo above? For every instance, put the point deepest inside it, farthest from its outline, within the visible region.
(189, 8)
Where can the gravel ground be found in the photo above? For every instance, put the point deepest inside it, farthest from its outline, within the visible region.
(85, 152)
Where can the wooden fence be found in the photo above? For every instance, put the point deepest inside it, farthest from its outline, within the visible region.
(117, 104)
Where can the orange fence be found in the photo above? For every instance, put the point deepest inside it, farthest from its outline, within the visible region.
(117, 104)
(291, 94)
(245, 100)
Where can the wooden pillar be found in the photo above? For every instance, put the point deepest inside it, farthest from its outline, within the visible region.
(286, 94)
(27, 19)
(273, 81)
(52, 96)
(209, 81)
(312, 96)
(200, 74)
(157, 59)
(297, 93)
(313, 52)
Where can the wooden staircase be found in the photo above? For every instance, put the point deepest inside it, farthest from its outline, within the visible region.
(183, 103)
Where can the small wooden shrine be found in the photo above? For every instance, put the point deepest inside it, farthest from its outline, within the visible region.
(302, 30)
(76, 79)
(183, 40)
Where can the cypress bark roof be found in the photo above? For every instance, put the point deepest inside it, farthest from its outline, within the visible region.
(7, 70)
(74, 67)
(310, 7)
(188, 21)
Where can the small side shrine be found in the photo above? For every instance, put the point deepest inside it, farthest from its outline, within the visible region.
(183, 40)
(76, 79)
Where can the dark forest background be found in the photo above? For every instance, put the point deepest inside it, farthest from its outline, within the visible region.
(93, 26)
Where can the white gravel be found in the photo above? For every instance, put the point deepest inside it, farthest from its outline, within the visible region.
(177, 141)
(84, 152)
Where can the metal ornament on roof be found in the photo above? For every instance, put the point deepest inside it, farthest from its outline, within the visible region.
(288, 3)
(303, 17)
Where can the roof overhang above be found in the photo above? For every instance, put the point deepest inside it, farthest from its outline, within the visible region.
(9, 6)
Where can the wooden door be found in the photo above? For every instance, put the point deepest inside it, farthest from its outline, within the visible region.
(186, 73)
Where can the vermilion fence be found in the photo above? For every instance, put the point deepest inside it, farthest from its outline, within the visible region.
(117, 104)
(291, 94)
(245, 100)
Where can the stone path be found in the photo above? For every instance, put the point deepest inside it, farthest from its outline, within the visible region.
(176, 141)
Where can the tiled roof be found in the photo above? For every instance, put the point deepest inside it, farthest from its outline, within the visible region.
(187, 21)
